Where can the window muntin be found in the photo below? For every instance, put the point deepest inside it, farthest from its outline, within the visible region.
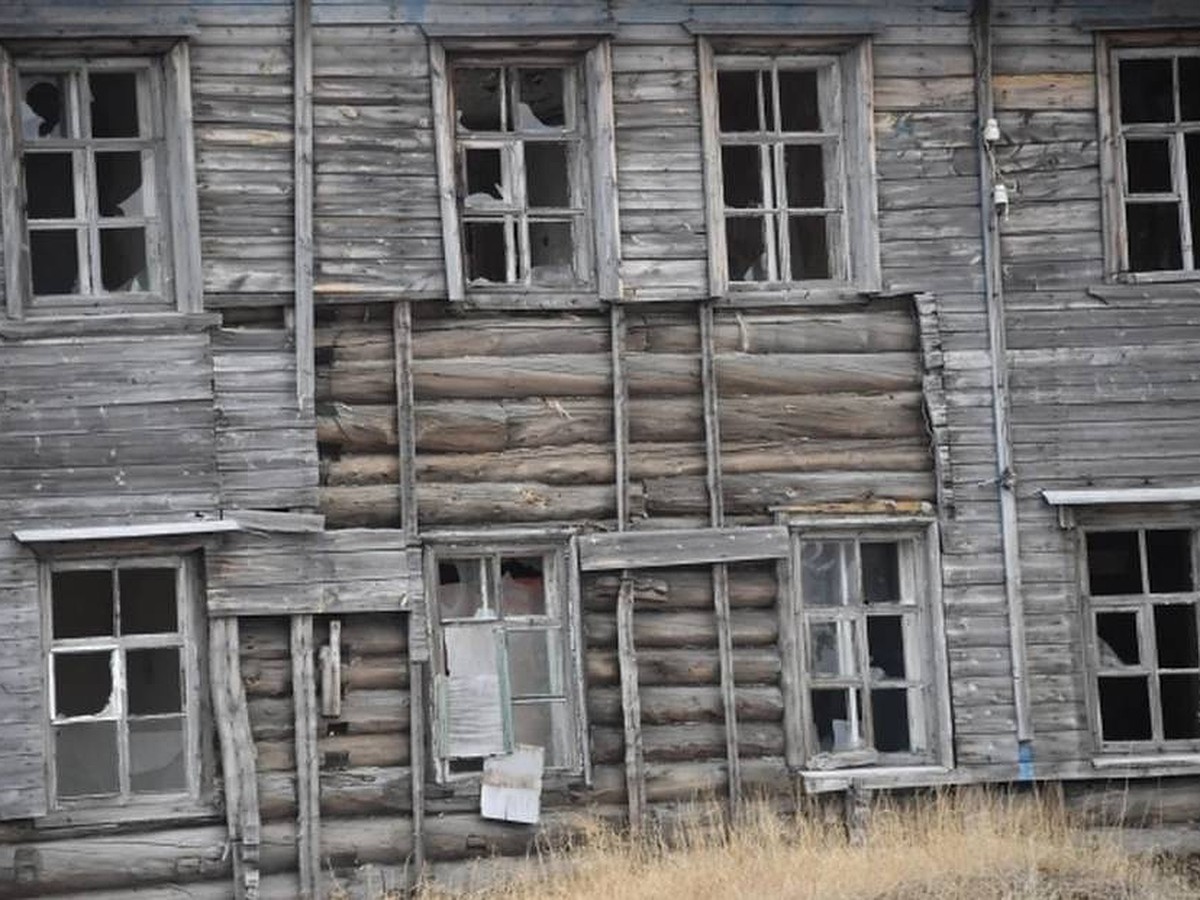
(866, 649)
(522, 169)
(505, 659)
(91, 158)
(1142, 607)
(123, 682)
(1156, 107)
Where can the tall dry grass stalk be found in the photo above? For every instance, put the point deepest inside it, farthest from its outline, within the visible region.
(974, 845)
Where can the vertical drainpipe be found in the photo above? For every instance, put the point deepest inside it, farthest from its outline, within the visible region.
(981, 40)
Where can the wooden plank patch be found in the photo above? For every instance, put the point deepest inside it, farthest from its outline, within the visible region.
(650, 549)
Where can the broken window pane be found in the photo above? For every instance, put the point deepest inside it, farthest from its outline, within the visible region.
(1147, 91)
(889, 717)
(547, 183)
(114, 104)
(1117, 633)
(85, 759)
(837, 720)
(153, 682)
(1169, 561)
(541, 101)
(810, 247)
(535, 663)
(1125, 709)
(119, 184)
(1148, 166)
(49, 186)
(147, 601)
(799, 104)
(1189, 88)
(551, 253)
(880, 572)
(522, 587)
(83, 684)
(804, 170)
(474, 723)
(156, 755)
(543, 725)
(477, 97)
(742, 176)
(485, 176)
(885, 645)
(486, 251)
(1180, 706)
(1153, 237)
(822, 581)
(831, 648)
(123, 259)
(737, 100)
(43, 108)
(746, 249)
(82, 604)
(1113, 562)
(54, 260)
(1175, 635)
(460, 588)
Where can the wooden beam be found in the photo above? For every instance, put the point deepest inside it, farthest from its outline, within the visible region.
(620, 413)
(406, 429)
(308, 810)
(276, 522)
(417, 742)
(605, 217)
(680, 547)
(631, 707)
(124, 532)
(302, 69)
(443, 147)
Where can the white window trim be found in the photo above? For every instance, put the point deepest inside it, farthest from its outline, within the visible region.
(180, 278)
(922, 531)
(560, 576)
(593, 59)
(858, 267)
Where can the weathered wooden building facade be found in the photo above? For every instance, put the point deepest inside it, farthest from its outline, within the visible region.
(719, 398)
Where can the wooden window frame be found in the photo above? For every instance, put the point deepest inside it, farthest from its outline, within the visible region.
(594, 206)
(561, 589)
(1110, 49)
(931, 720)
(175, 217)
(1142, 606)
(197, 798)
(846, 100)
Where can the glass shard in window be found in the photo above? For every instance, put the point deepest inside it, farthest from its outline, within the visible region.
(1124, 708)
(114, 104)
(535, 663)
(540, 105)
(43, 106)
(1169, 560)
(1148, 166)
(737, 101)
(804, 171)
(746, 249)
(1180, 706)
(522, 586)
(1147, 90)
(837, 720)
(742, 176)
(889, 716)
(81, 604)
(551, 253)
(822, 579)
(83, 684)
(147, 601)
(153, 682)
(880, 571)
(799, 100)
(156, 756)
(885, 646)
(1113, 562)
(119, 184)
(485, 177)
(547, 183)
(85, 759)
(49, 186)
(486, 251)
(1117, 634)
(809, 245)
(1175, 635)
(460, 588)
(1189, 88)
(123, 265)
(832, 649)
(477, 98)
(543, 725)
(54, 261)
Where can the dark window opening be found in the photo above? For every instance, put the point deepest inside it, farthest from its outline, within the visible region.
(49, 186)
(880, 572)
(123, 259)
(86, 759)
(147, 601)
(54, 261)
(82, 603)
(522, 587)
(1114, 563)
(1180, 706)
(1117, 633)
(804, 173)
(889, 718)
(799, 100)
(486, 250)
(737, 101)
(551, 253)
(1147, 90)
(83, 684)
(885, 641)
(153, 681)
(546, 175)
(832, 721)
(742, 176)
(746, 248)
(42, 111)
(477, 98)
(541, 100)
(1169, 561)
(1125, 709)
(1153, 237)
(114, 105)
(484, 176)
(1148, 166)
(1175, 635)
(809, 244)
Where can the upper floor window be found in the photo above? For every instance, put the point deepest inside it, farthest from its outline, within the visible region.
(526, 159)
(100, 215)
(790, 172)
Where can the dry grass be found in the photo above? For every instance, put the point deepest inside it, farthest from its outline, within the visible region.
(982, 846)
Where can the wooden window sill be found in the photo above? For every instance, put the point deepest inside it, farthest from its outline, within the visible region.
(116, 814)
(102, 325)
(1189, 761)
(826, 780)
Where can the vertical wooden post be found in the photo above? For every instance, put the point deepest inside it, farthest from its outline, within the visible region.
(308, 810)
(405, 421)
(720, 572)
(302, 71)
(416, 737)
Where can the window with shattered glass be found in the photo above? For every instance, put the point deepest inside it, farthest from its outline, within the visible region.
(122, 682)
(522, 174)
